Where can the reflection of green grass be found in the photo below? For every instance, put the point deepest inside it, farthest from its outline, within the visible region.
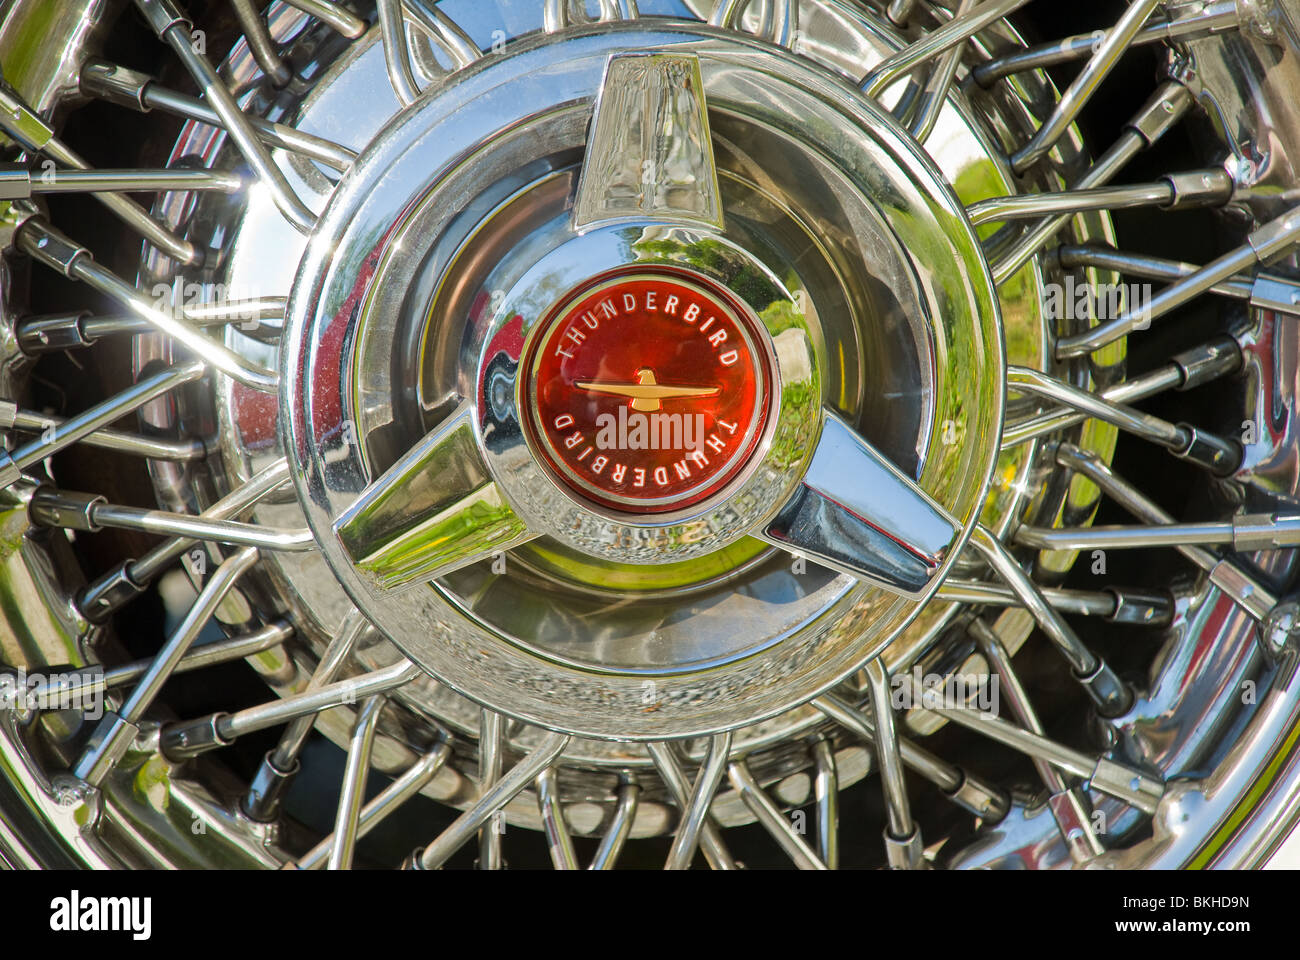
(780, 316)
(745, 280)
(471, 527)
(557, 558)
(27, 44)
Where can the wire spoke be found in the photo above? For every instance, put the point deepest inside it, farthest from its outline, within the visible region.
(142, 93)
(956, 31)
(491, 760)
(35, 136)
(100, 599)
(1068, 804)
(117, 730)
(687, 837)
(385, 803)
(1166, 107)
(90, 512)
(558, 839)
(260, 43)
(174, 29)
(620, 828)
(1221, 457)
(281, 765)
(353, 788)
(1192, 21)
(670, 771)
(1072, 101)
(55, 250)
(1235, 583)
(1111, 696)
(770, 817)
(1262, 245)
(502, 792)
(185, 739)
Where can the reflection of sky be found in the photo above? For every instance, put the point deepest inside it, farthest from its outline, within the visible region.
(515, 17)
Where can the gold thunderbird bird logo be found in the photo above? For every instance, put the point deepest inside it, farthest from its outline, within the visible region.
(647, 394)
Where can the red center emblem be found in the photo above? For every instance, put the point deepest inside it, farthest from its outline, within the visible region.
(648, 391)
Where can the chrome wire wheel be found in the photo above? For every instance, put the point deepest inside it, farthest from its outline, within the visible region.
(757, 432)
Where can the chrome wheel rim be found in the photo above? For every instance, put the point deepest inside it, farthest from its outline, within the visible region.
(592, 760)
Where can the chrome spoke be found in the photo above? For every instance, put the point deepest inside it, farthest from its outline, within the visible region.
(1244, 534)
(117, 730)
(855, 511)
(503, 791)
(955, 31)
(1072, 101)
(1188, 21)
(1069, 805)
(1116, 779)
(826, 792)
(1166, 107)
(142, 93)
(385, 802)
(454, 41)
(971, 794)
(37, 335)
(620, 828)
(397, 57)
(1235, 583)
(771, 818)
(434, 511)
(1172, 192)
(105, 595)
(353, 788)
(74, 683)
(47, 245)
(1221, 457)
(670, 771)
(185, 739)
(34, 135)
(280, 765)
(28, 421)
(173, 28)
(96, 418)
(339, 18)
(650, 153)
(490, 736)
(1111, 696)
(1189, 369)
(1261, 246)
(687, 837)
(90, 512)
(558, 839)
(1263, 289)
(780, 21)
(260, 43)
(937, 85)
(1116, 604)
(903, 845)
(16, 182)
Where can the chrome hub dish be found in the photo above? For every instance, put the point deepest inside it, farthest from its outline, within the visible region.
(626, 420)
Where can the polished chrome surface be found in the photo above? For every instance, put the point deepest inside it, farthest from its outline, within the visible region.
(454, 226)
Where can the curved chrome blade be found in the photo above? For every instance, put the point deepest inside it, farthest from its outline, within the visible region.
(856, 512)
(434, 511)
(649, 152)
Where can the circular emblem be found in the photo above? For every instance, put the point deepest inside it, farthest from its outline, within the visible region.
(647, 392)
